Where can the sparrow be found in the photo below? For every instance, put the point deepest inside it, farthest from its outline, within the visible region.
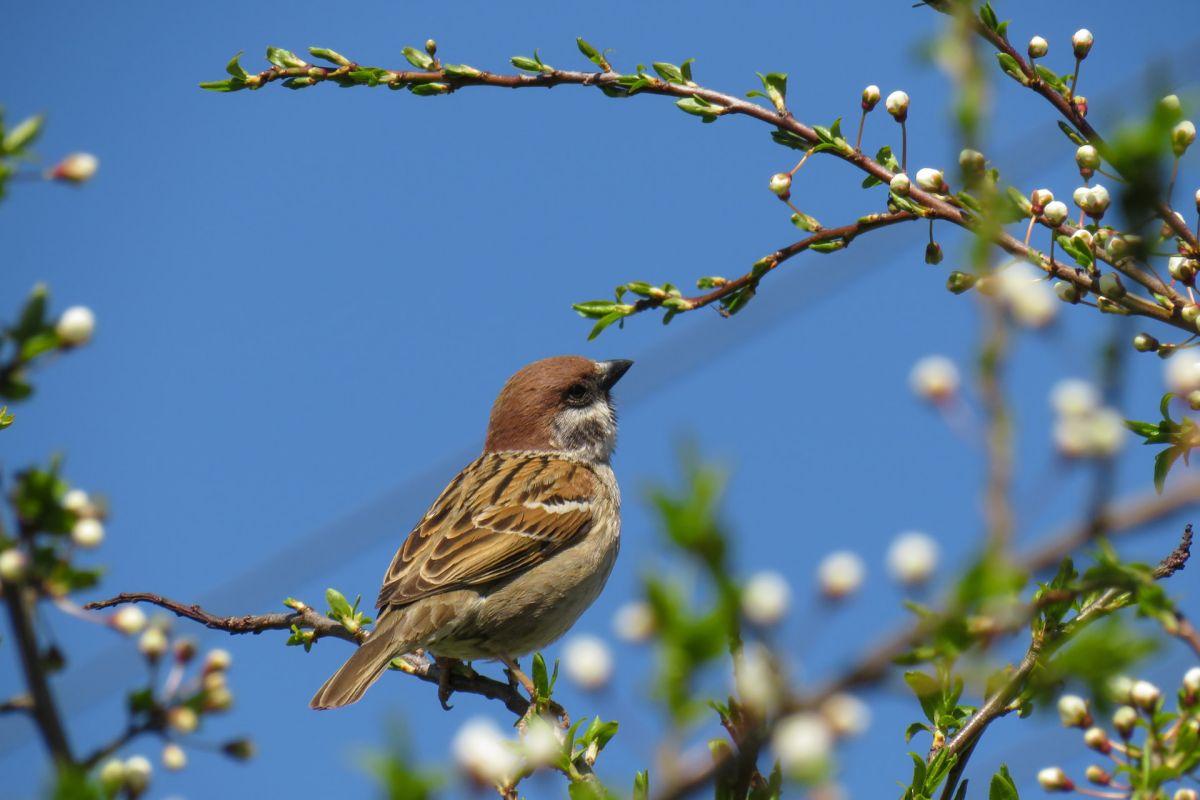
(519, 543)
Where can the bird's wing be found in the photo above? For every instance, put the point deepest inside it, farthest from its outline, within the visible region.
(504, 513)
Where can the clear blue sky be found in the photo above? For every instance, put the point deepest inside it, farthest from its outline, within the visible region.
(306, 299)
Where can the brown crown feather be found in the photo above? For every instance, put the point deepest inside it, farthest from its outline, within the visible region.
(523, 414)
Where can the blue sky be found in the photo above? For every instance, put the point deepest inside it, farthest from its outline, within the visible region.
(309, 299)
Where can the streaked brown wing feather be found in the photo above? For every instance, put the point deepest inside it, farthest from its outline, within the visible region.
(503, 513)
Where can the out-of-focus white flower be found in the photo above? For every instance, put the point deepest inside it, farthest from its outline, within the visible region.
(912, 557)
(112, 774)
(1145, 694)
(1097, 739)
(1029, 299)
(588, 661)
(1185, 794)
(1171, 104)
(1098, 434)
(1053, 779)
(1124, 719)
(802, 742)
(1073, 711)
(756, 680)
(934, 378)
(1182, 372)
(1073, 397)
(1191, 680)
(183, 719)
(1119, 687)
(153, 643)
(129, 620)
(75, 326)
(87, 533)
(173, 757)
(897, 105)
(840, 573)
(217, 660)
(971, 161)
(1097, 775)
(765, 598)
(542, 742)
(137, 774)
(846, 714)
(1038, 47)
(634, 622)
(481, 751)
(1182, 136)
(77, 502)
(76, 168)
(13, 564)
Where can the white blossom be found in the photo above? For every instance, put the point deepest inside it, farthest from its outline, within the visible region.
(87, 533)
(542, 742)
(75, 326)
(1073, 711)
(1038, 47)
(756, 680)
(77, 502)
(897, 105)
(217, 660)
(137, 774)
(912, 557)
(900, 184)
(1081, 42)
(781, 184)
(930, 179)
(765, 598)
(1053, 779)
(802, 742)
(634, 622)
(481, 751)
(1182, 372)
(76, 168)
(173, 757)
(934, 378)
(13, 564)
(588, 661)
(1056, 212)
(840, 573)
(846, 714)
(1191, 680)
(1074, 397)
(153, 643)
(1028, 297)
(129, 620)
(1145, 694)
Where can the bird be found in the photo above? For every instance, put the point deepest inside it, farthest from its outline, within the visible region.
(518, 545)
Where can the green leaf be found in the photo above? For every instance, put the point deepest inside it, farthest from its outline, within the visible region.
(235, 68)
(1071, 134)
(429, 89)
(1010, 66)
(338, 607)
(230, 85)
(18, 138)
(461, 70)
(284, 58)
(6, 418)
(594, 309)
(1052, 79)
(604, 323)
(641, 786)
(541, 679)
(928, 691)
(418, 58)
(592, 54)
(699, 107)
(775, 87)
(988, 17)
(828, 247)
(668, 72)
(1162, 465)
(332, 56)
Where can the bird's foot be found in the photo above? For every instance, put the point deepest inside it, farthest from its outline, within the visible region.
(445, 670)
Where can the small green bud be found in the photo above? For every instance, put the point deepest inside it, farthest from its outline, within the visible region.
(1108, 306)
(971, 162)
(1182, 136)
(1145, 343)
(431, 47)
(1190, 313)
(1111, 286)
(933, 253)
(959, 282)
(1166, 350)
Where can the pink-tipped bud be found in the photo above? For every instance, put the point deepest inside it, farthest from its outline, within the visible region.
(75, 168)
(1097, 739)
(1053, 779)
(1082, 42)
(870, 97)
(1096, 774)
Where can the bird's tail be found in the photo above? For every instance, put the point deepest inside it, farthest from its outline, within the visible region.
(363, 668)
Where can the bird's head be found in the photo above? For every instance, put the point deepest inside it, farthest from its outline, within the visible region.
(562, 403)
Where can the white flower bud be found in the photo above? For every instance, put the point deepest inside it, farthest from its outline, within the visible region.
(1073, 397)
(218, 698)
(1087, 157)
(1185, 794)
(1053, 779)
(802, 743)
(1124, 719)
(1073, 711)
(87, 533)
(934, 378)
(1145, 695)
(1097, 739)
(1182, 372)
(1041, 197)
(1119, 687)
(77, 502)
(481, 751)
(76, 168)
(1081, 42)
(1095, 202)
(153, 643)
(870, 97)
(931, 180)
(971, 161)
(846, 715)
(1082, 237)
(217, 660)
(781, 184)
(542, 742)
(183, 718)
(912, 557)
(1031, 302)
(1181, 269)
(765, 598)
(1191, 680)
(1080, 195)
(75, 326)
(634, 622)
(1097, 775)
(173, 757)
(1171, 104)
(1038, 47)
(13, 564)
(1197, 200)
(112, 775)
(1182, 136)
(137, 774)
(840, 574)
(129, 620)
(588, 661)
(756, 680)
(1055, 212)
(900, 184)
(897, 105)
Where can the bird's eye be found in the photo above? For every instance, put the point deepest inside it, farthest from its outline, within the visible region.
(577, 395)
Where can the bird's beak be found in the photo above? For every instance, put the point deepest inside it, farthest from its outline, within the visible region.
(611, 371)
